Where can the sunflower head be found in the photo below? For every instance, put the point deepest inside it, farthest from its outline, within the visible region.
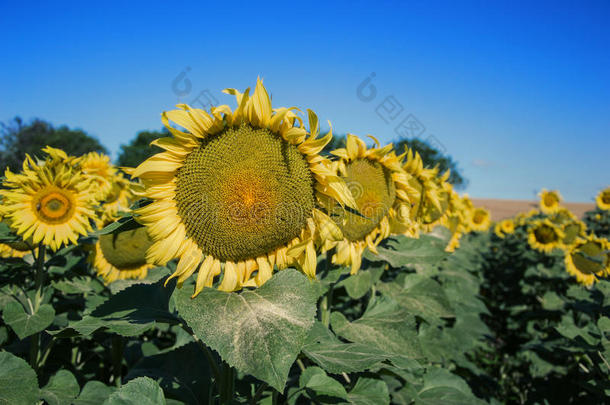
(49, 202)
(603, 199)
(588, 259)
(236, 192)
(121, 256)
(504, 227)
(573, 230)
(549, 201)
(100, 171)
(480, 220)
(545, 236)
(380, 189)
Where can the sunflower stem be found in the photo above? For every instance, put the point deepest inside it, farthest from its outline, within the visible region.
(228, 384)
(39, 286)
(117, 359)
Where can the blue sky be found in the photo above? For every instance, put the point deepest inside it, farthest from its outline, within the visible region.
(518, 93)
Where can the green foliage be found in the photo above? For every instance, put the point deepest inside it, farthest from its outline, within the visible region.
(139, 148)
(18, 383)
(17, 139)
(259, 332)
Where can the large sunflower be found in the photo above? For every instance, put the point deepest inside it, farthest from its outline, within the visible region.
(544, 236)
(122, 256)
(238, 190)
(50, 202)
(588, 259)
(381, 190)
(603, 199)
(549, 201)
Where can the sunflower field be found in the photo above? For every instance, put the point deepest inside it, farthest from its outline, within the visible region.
(244, 265)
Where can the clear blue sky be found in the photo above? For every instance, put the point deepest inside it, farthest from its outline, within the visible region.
(518, 93)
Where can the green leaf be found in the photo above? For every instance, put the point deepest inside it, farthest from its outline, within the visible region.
(130, 312)
(420, 295)
(25, 324)
(334, 356)
(369, 391)
(93, 393)
(126, 223)
(78, 285)
(359, 284)
(183, 373)
(401, 251)
(384, 325)
(61, 389)
(443, 387)
(315, 379)
(18, 382)
(141, 391)
(7, 235)
(259, 332)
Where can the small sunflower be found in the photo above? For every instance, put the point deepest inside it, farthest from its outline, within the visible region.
(479, 219)
(238, 191)
(549, 201)
(504, 227)
(588, 259)
(380, 188)
(50, 202)
(603, 199)
(429, 199)
(121, 256)
(544, 236)
(15, 250)
(456, 219)
(98, 168)
(572, 231)
(121, 195)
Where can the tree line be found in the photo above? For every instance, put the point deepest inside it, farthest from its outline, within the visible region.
(18, 138)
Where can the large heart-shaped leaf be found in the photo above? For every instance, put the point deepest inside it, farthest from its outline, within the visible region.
(62, 389)
(420, 295)
(401, 251)
(259, 332)
(18, 382)
(25, 324)
(128, 313)
(384, 325)
(141, 391)
(335, 356)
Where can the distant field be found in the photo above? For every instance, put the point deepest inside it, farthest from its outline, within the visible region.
(501, 209)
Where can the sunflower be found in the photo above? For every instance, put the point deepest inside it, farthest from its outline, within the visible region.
(238, 190)
(429, 200)
(98, 168)
(50, 202)
(381, 190)
(544, 236)
(15, 250)
(549, 201)
(504, 227)
(118, 199)
(588, 259)
(456, 219)
(121, 256)
(479, 219)
(603, 199)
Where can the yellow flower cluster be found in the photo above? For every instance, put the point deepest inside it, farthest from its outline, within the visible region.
(554, 227)
(235, 195)
(56, 199)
